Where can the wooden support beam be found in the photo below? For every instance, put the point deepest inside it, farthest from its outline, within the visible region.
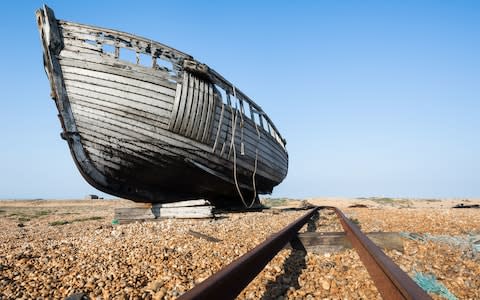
(188, 203)
(328, 242)
(192, 209)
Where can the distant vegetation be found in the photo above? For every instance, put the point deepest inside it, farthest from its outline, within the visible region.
(25, 217)
(397, 200)
(272, 202)
(42, 213)
(402, 202)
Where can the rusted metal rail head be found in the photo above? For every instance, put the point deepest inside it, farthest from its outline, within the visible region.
(390, 280)
(231, 280)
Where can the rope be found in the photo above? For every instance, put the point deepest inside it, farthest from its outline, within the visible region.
(255, 169)
(232, 145)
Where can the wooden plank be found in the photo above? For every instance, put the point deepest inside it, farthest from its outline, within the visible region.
(111, 101)
(159, 135)
(135, 152)
(267, 150)
(249, 123)
(113, 67)
(107, 164)
(120, 110)
(96, 47)
(191, 118)
(104, 127)
(131, 130)
(327, 242)
(115, 139)
(201, 114)
(133, 85)
(105, 115)
(182, 103)
(110, 65)
(165, 104)
(199, 123)
(123, 148)
(130, 153)
(188, 105)
(133, 213)
(219, 80)
(210, 111)
(188, 203)
(51, 31)
(266, 153)
(125, 215)
(143, 45)
(250, 131)
(143, 42)
(176, 104)
(129, 157)
(113, 162)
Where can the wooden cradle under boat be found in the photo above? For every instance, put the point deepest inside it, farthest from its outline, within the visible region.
(158, 127)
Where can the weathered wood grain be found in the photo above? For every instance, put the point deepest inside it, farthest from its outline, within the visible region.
(109, 127)
(122, 114)
(327, 242)
(250, 130)
(152, 99)
(126, 215)
(140, 41)
(189, 203)
(111, 65)
(123, 111)
(133, 85)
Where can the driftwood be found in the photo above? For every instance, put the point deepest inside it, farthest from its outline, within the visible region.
(328, 242)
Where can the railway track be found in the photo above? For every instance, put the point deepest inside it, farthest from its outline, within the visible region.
(390, 280)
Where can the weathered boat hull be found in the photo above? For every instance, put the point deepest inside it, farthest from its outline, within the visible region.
(154, 133)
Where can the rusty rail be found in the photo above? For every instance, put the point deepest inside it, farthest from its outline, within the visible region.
(390, 280)
(231, 280)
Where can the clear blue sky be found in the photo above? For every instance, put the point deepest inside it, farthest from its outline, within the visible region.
(373, 97)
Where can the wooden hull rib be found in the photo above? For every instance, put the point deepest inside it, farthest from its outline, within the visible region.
(160, 130)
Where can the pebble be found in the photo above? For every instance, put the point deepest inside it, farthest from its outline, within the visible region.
(325, 285)
(160, 260)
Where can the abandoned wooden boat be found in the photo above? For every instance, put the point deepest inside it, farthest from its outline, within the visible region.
(160, 127)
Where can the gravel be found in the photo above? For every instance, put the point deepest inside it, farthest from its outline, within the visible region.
(162, 260)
